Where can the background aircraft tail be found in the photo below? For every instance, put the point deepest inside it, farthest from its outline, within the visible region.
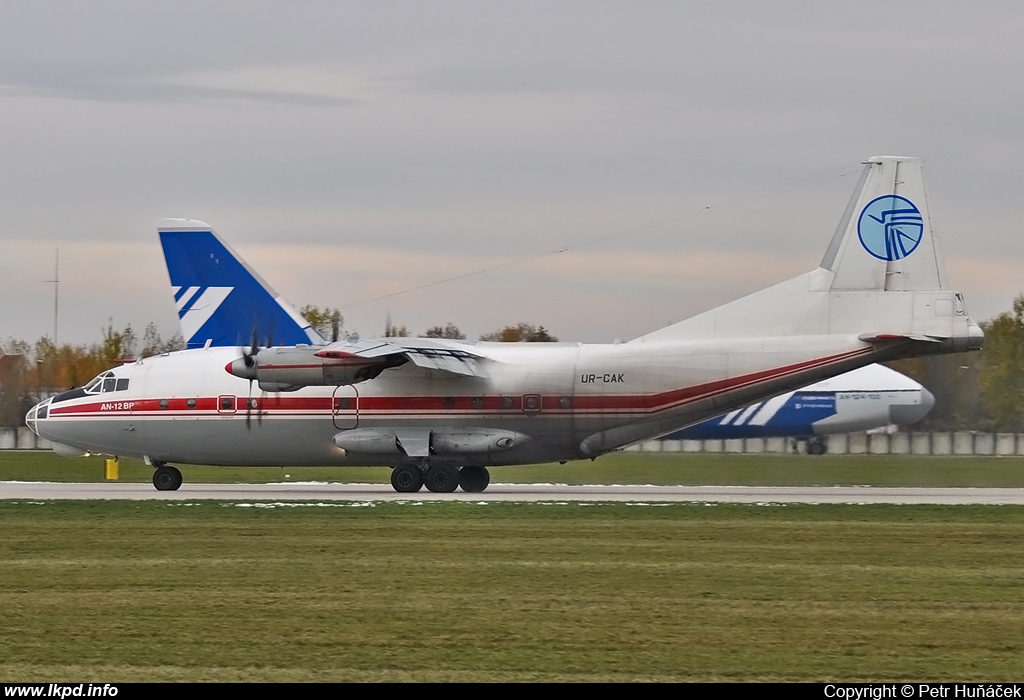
(882, 277)
(217, 294)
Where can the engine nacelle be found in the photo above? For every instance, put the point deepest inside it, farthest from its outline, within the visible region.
(369, 441)
(462, 441)
(471, 440)
(296, 367)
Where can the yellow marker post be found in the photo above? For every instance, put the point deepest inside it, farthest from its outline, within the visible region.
(111, 469)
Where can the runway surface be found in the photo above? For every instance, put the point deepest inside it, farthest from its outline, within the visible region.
(312, 492)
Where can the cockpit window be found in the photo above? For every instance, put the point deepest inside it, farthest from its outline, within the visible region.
(109, 383)
(97, 384)
(122, 384)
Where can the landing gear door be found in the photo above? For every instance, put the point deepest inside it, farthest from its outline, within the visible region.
(345, 407)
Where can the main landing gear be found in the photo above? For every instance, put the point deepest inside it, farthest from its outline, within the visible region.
(166, 478)
(439, 478)
(812, 446)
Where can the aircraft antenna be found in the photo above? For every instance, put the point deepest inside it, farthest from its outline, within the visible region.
(643, 228)
(56, 292)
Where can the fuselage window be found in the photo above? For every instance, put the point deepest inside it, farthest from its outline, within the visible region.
(191, 403)
(122, 384)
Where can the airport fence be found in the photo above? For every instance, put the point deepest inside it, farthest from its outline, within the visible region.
(21, 439)
(959, 442)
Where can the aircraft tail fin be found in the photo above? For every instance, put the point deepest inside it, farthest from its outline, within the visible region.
(221, 301)
(884, 241)
(882, 277)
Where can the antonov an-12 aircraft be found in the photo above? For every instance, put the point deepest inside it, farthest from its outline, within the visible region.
(441, 412)
(221, 299)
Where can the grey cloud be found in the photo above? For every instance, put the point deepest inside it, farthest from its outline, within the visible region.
(491, 130)
(84, 86)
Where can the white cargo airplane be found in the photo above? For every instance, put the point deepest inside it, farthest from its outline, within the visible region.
(220, 299)
(440, 412)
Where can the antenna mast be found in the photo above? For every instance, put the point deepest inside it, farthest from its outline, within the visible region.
(56, 292)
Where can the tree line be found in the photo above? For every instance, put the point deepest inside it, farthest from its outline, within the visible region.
(977, 390)
(29, 371)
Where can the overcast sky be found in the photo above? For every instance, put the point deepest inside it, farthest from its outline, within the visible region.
(684, 153)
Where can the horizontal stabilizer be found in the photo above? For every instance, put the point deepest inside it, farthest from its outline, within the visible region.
(895, 337)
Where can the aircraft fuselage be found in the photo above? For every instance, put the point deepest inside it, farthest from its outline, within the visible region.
(540, 402)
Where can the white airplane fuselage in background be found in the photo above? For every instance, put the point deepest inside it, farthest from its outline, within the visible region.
(432, 407)
(864, 399)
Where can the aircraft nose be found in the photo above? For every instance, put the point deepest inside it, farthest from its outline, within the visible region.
(36, 414)
(908, 414)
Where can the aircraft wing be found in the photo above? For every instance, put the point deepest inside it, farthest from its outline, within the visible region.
(428, 353)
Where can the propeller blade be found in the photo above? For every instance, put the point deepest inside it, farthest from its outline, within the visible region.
(248, 409)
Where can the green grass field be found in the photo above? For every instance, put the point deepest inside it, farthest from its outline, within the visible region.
(618, 468)
(152, 591)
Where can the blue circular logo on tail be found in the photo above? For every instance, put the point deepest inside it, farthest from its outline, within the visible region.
(890, 227)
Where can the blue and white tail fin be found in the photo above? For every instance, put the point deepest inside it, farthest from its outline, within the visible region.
(221, 301)
(882, 278)
(884, 241)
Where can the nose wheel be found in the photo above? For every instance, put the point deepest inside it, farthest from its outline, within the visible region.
(166, 478)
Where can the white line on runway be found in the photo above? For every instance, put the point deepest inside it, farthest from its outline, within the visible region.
(516, 492)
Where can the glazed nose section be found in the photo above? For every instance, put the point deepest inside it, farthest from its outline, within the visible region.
(37, 413)
(908, 414)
